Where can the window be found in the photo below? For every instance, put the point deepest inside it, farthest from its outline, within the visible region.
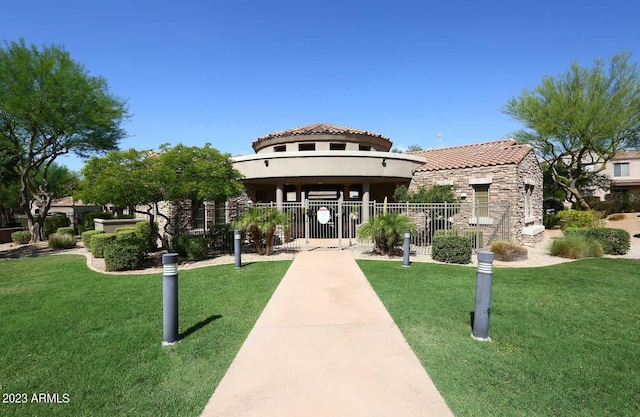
(481, 200)
(337, 146)
(307, 147)
(528, 201)
(290, 193)
(364, 148)
(280, 148)
(621, 169)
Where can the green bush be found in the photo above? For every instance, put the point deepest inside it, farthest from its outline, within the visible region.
(386, 231)
(67, 230)
(148, 234)
(508, 251)
(122, 255)
(552, 205)
(550, 220)
(87, 220)
(22, 237)
(445, 232)
(452, 249)
(221, 236)
(575, 218)
(192, 247)
(575, 247)
(98, 243)
(476, 238)
(53, 223)
(613, 241)
(62, 241)
(86, 237)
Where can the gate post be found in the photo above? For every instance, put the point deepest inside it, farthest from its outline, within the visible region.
(306, 223)
(340, 201)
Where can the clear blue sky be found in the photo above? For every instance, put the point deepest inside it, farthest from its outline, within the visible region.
(228, 72)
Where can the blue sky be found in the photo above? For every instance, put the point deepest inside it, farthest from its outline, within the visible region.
(228, 72)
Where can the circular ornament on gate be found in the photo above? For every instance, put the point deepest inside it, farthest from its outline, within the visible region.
(323, 215)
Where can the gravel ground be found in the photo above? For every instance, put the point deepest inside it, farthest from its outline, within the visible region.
(538, 255)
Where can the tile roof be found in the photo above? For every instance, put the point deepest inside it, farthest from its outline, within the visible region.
(501, 152)
(627, 155)
(320, 129)
(625, 181)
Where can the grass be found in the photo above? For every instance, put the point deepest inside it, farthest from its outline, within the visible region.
(565, 338)
(97, 337)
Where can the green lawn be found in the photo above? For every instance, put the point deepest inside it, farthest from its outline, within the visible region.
(565, 338)
(97, 338)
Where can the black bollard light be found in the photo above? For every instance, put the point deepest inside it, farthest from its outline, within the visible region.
(407, 247)
(169, 299)
(483, 297)
(236, 248)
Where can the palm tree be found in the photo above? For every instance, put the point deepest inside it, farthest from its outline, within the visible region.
(263, 222)
(386, 231)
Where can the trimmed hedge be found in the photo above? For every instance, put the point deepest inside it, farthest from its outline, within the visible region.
(21, 237)
(613, 241)
(122, 255)
(53, 223)
(98, 243)
(149, 234)
(87, 223)
(192, 247)
(66, 230)
(451, 249)
(508, 251)
(62, 241)
(86, 237)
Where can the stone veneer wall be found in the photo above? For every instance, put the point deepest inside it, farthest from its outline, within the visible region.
(507, 185)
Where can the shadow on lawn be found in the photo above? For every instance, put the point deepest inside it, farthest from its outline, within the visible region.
(191, 330)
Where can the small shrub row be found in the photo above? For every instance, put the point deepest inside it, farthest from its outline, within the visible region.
(508, 251)
(53, 223)
(62, 241)
(98, 243)
(86, 237)
(612, 241)
(192, 247)
(21, 238)
(66, 230)
(575, 247)
(451, 248)
(123, 255)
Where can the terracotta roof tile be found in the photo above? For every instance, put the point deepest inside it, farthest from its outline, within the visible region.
(625, 181)
(627, 155)
(320, 129)
(499, 152)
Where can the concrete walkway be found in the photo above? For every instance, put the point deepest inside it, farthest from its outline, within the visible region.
(325, 346)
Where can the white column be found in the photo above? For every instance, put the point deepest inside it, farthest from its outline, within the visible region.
(365, 202)
(279, 196)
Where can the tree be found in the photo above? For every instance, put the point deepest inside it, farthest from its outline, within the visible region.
(177, 175)
(261, 223)
(51, 106)
(580, 120)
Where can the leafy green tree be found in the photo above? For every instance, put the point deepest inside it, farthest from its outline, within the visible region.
(580, 120)
(50, 106)
(174, 175)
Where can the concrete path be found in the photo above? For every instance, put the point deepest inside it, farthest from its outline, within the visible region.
(325, 346)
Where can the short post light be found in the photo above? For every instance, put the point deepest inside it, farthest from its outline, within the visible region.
(169, 299)
(236, 248)
(483, 297)
(406, 247)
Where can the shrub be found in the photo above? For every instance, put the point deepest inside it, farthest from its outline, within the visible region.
(476, 238)
(617, 216)
(67, 231)
(86, 237)
(386, 231)
(149, 234)
(552, 205)
(62, 241)
(550, 220)
(87, 220)
(445, 232)
(99, 241)
(508, 251)
(451, 249)
(122, 255)
(575, 247)
(53, 223)
(193, 248)
(612, 241)
(575, 218)
(22, 237)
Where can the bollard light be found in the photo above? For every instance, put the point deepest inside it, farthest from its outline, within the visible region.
(236, 248)
(484, 277)
(169, 299)
(407, 247)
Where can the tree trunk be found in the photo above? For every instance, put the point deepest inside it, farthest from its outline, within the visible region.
(270, 240)
(255, 232)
